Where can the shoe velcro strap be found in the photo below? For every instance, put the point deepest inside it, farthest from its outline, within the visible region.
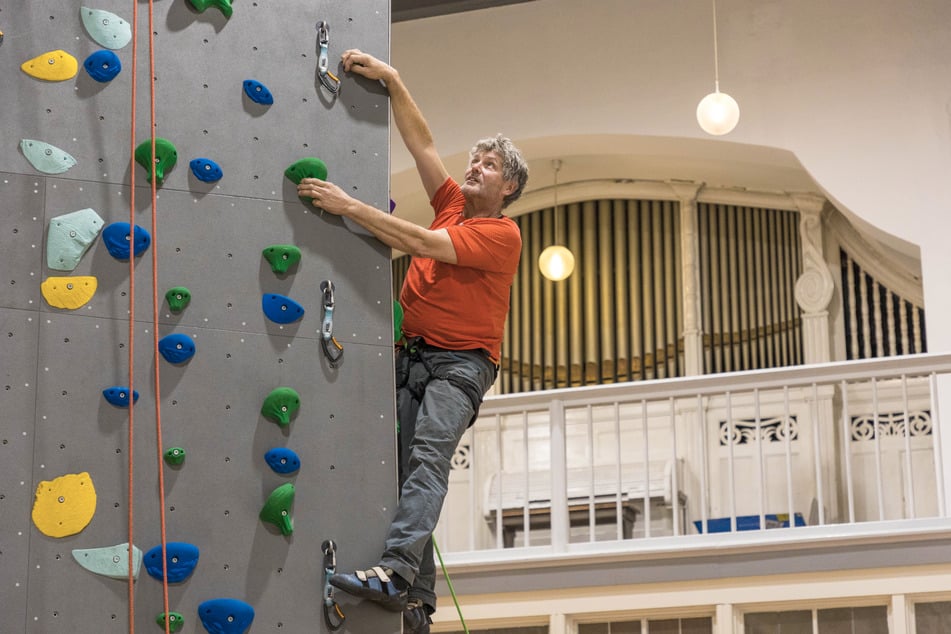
(375, 571)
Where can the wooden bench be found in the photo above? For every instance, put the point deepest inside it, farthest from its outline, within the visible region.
(506, 492)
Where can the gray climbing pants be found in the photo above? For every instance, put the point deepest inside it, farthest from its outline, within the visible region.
(438, 394)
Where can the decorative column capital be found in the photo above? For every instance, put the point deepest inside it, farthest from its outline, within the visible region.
(815, 286)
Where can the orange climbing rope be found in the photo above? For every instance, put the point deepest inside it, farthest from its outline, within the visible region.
(155, 313)
(129, 450)
(155, 320)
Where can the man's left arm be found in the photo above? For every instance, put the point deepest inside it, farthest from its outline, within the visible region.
(394, 232)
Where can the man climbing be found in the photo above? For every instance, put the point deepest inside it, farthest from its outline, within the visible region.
(455, 300)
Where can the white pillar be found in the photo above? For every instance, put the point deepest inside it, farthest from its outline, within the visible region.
(815, 286)
(690, 256)
(725, 620)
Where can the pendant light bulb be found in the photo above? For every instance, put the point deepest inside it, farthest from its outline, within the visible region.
(556, 262)
(718, 113)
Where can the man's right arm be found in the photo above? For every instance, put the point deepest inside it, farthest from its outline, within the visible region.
(409, 120)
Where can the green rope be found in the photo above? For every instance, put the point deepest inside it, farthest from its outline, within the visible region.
(449, 583)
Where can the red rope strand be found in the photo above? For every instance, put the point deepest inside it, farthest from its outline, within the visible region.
(155, 320)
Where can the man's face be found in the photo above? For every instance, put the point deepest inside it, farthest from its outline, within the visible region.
(484, 181)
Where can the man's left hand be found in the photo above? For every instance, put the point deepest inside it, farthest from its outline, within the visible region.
(325, 195)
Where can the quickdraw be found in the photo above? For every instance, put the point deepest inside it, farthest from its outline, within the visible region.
(332, 348)
(327, 79)
(333, 615)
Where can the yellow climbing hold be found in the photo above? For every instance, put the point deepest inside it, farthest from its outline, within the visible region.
(69, 292)
(55, 65)
(64, 506)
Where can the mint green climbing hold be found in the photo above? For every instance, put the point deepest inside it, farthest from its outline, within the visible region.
(165, 158)
(46, 158)
(70, 236)
(178, 298)
(281, 257)
(175, 456)
(110, 561)
(223, 5)
(175, 621)
(280, 405)
(277, 509)
(106, 29)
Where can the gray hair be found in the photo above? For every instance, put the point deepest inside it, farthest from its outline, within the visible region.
(514, 167)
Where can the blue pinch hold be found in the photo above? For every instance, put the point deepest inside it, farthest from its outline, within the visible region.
(103, 66)
(282, 460)
(258, 92)
(225, 616)
(177, 348)
(181, 559)
(118, 395)
(116, 237)
(281, 309)
(205, 170)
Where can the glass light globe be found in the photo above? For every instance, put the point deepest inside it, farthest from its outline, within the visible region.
(556, 263)
(718, 113)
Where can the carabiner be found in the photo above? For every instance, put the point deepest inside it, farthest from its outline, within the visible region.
(334, 622)
(332, 348)
(327, 79)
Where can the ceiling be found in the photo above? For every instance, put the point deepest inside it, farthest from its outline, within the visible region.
(403, 10)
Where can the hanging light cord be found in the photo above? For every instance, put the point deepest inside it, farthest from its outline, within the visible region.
(716, 55)
(556, 164)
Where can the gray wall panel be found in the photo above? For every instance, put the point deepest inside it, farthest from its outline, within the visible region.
(21, 239)
(209, 238)
(18, 342)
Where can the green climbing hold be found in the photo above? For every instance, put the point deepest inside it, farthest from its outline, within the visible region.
(175, 456)
(280, 405)
(178, 298)
(165, 157)
(175, 621)
(277, 509)
(397, 321)
(224, 5)
(282, 257)
(306, 168)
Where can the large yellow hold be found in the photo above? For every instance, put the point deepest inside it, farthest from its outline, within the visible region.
(64, 506)
(55, 65)
(69, 292)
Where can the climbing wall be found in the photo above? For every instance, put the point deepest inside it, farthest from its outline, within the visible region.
(55, 362)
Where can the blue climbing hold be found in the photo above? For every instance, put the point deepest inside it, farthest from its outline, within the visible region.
(181, 559)
(119, 395)
(116, 237)
(282, 460)
(205, 169)
(281, 309)
(103, 66)
(177, 348)
(258, 92)
(225, 616)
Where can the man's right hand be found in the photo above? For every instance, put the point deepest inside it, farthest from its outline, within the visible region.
(356, 61)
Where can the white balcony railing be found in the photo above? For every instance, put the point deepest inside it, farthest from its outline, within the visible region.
(631, 465)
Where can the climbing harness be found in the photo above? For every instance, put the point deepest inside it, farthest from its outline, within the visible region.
(335, 619)
(327, 79)
(332, 348)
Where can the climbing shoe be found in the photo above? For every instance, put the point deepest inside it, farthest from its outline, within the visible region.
(378, 584)
(416, 618)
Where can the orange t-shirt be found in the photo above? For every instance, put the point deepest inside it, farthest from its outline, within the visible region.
(463, 306)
